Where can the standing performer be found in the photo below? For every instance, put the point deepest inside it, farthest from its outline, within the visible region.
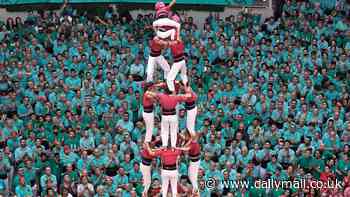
(169, 157)
(191, 108)
(156, 58)
(177, 50)
(169, 122)
(145, 167)
(148, 114)
(194, 156)
(163, 25)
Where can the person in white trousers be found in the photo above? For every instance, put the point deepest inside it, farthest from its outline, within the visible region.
(156, 58)
(148, 110)
(164, 26)
(169, 158)
(179, 65)
(191, 109)
(145, 168)
(169, 121)
(194, 157)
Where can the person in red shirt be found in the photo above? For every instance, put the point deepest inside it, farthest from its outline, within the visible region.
(326, 176)
(347, 191)
(164, 26)
(191, 108)
(169, 157)
(148, 114)
(169, 122)
(156, 58)
(179, 65)
(145, 167)
(194, 157)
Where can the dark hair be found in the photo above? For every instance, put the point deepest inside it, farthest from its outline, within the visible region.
(147, 86)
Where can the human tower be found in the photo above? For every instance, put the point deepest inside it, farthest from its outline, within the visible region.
(168, 95)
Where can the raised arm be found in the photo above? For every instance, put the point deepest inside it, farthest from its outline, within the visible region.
(172, 3)
(186, 96)
(148, 148)
(160, 85)
(172, 42)
(151, 151)
(115, 11)
(101, 21)
(150, 94)
(185, 148)
(63, 6)
(188, 89)
(182, 97)
(188, 143)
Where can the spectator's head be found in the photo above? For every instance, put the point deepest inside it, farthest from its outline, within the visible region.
(23, 143)
(97, 153)
(121, 171)
(48, 171)
(84, 180)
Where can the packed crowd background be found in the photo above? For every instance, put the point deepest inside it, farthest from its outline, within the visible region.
(273, 98)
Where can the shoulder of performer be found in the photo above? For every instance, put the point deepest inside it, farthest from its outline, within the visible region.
(175, 43)
(157, 152)
(159, 95)
(150, 94)
(187, 95)
(179, 150)
(161, 85)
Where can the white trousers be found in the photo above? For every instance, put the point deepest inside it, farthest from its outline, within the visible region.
(191, 120)
(166, 34)
(177, 66)
(151, 65)
(169, 176)
(166, 22)
(193, 169)
(170, 125)
(149, 123)
(146, 174)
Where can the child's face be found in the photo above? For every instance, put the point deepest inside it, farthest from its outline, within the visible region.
(156, 184)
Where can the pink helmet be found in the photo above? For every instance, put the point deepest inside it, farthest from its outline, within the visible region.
(175, 18)
(159, 5)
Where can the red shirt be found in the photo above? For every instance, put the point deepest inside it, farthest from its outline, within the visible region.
(145, 154)
(169, 102)
(168, 156)
(163, 12)
(346, 181)
(177, 50)
(195, 149)
(156, 48)
(193, 98)
(147, 101)
(191, 101)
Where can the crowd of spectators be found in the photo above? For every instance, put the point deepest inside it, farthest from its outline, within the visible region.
(273, 99)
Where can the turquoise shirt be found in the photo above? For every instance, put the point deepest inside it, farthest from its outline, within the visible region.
(24, 191)
(44, 179)
(120, 180)
(71, 158)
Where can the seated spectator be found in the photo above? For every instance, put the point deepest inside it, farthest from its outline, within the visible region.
(23, 190)
(85, 188)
